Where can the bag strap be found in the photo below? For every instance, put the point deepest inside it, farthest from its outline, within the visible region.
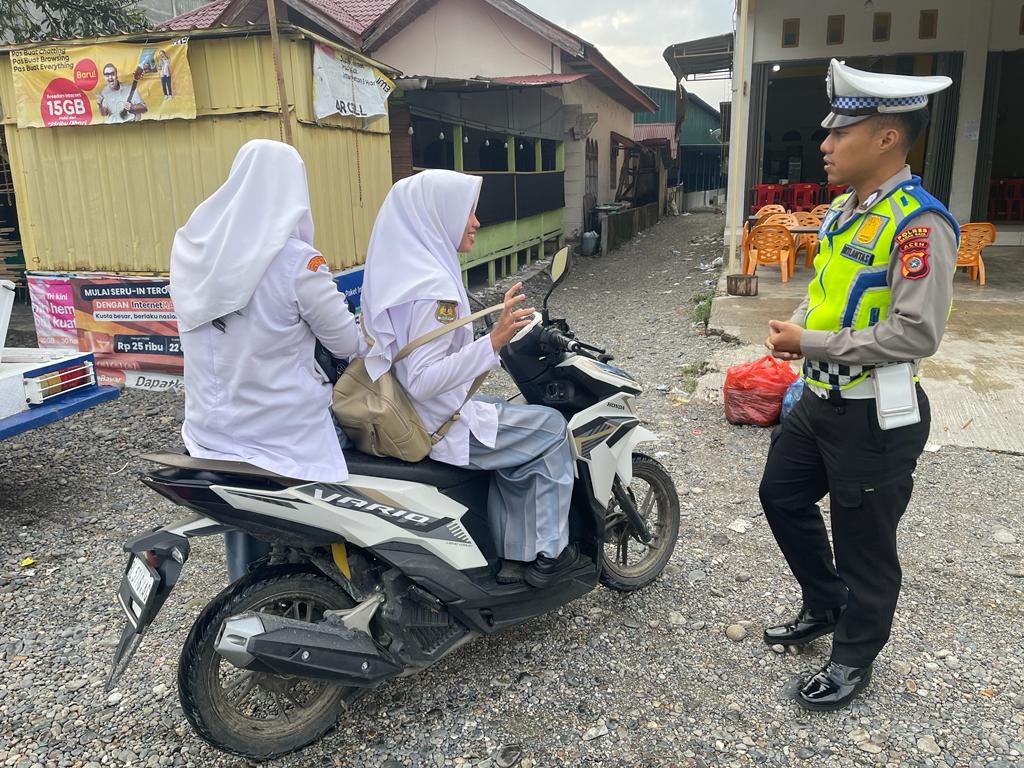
(448, 328)
(439, 435)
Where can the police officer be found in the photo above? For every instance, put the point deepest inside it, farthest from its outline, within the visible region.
(877, 305)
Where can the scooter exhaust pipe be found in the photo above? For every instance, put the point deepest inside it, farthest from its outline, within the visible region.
(265, 643)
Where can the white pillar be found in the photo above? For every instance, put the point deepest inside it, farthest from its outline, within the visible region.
(743, 56)
(972, 95)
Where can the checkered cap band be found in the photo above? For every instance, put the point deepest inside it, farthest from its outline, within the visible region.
(872, 102)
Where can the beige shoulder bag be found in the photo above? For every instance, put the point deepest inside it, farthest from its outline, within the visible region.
(378, 415)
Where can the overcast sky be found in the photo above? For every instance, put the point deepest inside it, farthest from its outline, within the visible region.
(632, 34)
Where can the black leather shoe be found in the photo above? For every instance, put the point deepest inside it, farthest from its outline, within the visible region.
(808, 625)
(545, 570)
(833, 687)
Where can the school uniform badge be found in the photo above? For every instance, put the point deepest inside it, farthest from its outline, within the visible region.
(446, 311)
(315, 263)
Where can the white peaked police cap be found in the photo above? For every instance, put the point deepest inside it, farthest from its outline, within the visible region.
(856, 95)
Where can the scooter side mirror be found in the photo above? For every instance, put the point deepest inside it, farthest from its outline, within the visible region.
(559, 266)
(559, 270)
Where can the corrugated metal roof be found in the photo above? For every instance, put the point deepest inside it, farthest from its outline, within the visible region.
(666, 131)
(644, 131)
(666, 101)
(539, 79)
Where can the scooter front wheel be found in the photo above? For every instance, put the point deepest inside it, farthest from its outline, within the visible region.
(629, 563)
(255, 714)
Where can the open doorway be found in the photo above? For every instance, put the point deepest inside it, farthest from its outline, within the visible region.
(12, 257)
(1005, 115)
(797, 103)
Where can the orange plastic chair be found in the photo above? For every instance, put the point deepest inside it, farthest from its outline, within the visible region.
(771, 244)
(745, 245)
(973, 239)
(782, 219)
(786, 220)
(807, 241)
(766, 210)
(821, 211)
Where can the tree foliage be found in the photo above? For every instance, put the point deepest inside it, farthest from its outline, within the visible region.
(27, 20)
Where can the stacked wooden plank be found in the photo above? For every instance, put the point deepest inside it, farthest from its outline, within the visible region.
(12, 258)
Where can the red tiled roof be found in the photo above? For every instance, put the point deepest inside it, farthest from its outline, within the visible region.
(539, 79)
(200, 18)
(356, 15)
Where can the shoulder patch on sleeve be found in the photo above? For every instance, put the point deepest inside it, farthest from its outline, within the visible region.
(316, 262)
(913, 233)
(446, 311)
(913, 249)
(914, 263)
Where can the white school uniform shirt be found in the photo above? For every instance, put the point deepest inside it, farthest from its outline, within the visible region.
(438, 375)
(253, 393)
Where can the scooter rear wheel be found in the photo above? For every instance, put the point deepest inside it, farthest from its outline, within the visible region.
(628, 563)
(255, 714)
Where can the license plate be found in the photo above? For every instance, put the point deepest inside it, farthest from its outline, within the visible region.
(140, 580)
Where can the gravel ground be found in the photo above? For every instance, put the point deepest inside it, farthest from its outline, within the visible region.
(650, 679)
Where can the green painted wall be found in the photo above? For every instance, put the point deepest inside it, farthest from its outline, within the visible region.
(507, 236)
(700, 120)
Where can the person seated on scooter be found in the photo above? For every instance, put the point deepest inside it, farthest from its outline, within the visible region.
(412, 285)
(252, 296)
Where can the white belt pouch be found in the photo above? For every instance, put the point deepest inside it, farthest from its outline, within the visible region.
(895, 396)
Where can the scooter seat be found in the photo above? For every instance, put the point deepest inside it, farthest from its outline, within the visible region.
(428, 471)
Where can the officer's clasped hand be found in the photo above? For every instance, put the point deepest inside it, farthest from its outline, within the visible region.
(784, 340)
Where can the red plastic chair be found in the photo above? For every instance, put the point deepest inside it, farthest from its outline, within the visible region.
(765, 194)
(1013, 200)
(787, 196)
(996, 196)
(805, 197)
(832, 191)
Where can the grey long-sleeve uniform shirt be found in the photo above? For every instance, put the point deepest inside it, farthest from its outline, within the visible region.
(919, 305)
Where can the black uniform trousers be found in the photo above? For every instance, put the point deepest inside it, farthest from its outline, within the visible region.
(838, 447)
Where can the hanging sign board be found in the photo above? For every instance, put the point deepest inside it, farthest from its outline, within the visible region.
(102, 84)
(346, 87)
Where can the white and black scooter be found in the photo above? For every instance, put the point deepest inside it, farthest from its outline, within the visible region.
(387, 573)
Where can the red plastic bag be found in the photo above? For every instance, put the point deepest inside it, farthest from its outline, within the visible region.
(753, 391)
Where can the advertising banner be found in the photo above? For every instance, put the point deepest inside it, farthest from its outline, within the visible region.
(102, 84)
(53, 311)
(128, 323)
(347, 87)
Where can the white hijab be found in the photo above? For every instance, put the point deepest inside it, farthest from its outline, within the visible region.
(412, 254)
(221, 254)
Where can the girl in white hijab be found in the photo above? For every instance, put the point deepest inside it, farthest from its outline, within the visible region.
(412, 285)
(252, 297)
